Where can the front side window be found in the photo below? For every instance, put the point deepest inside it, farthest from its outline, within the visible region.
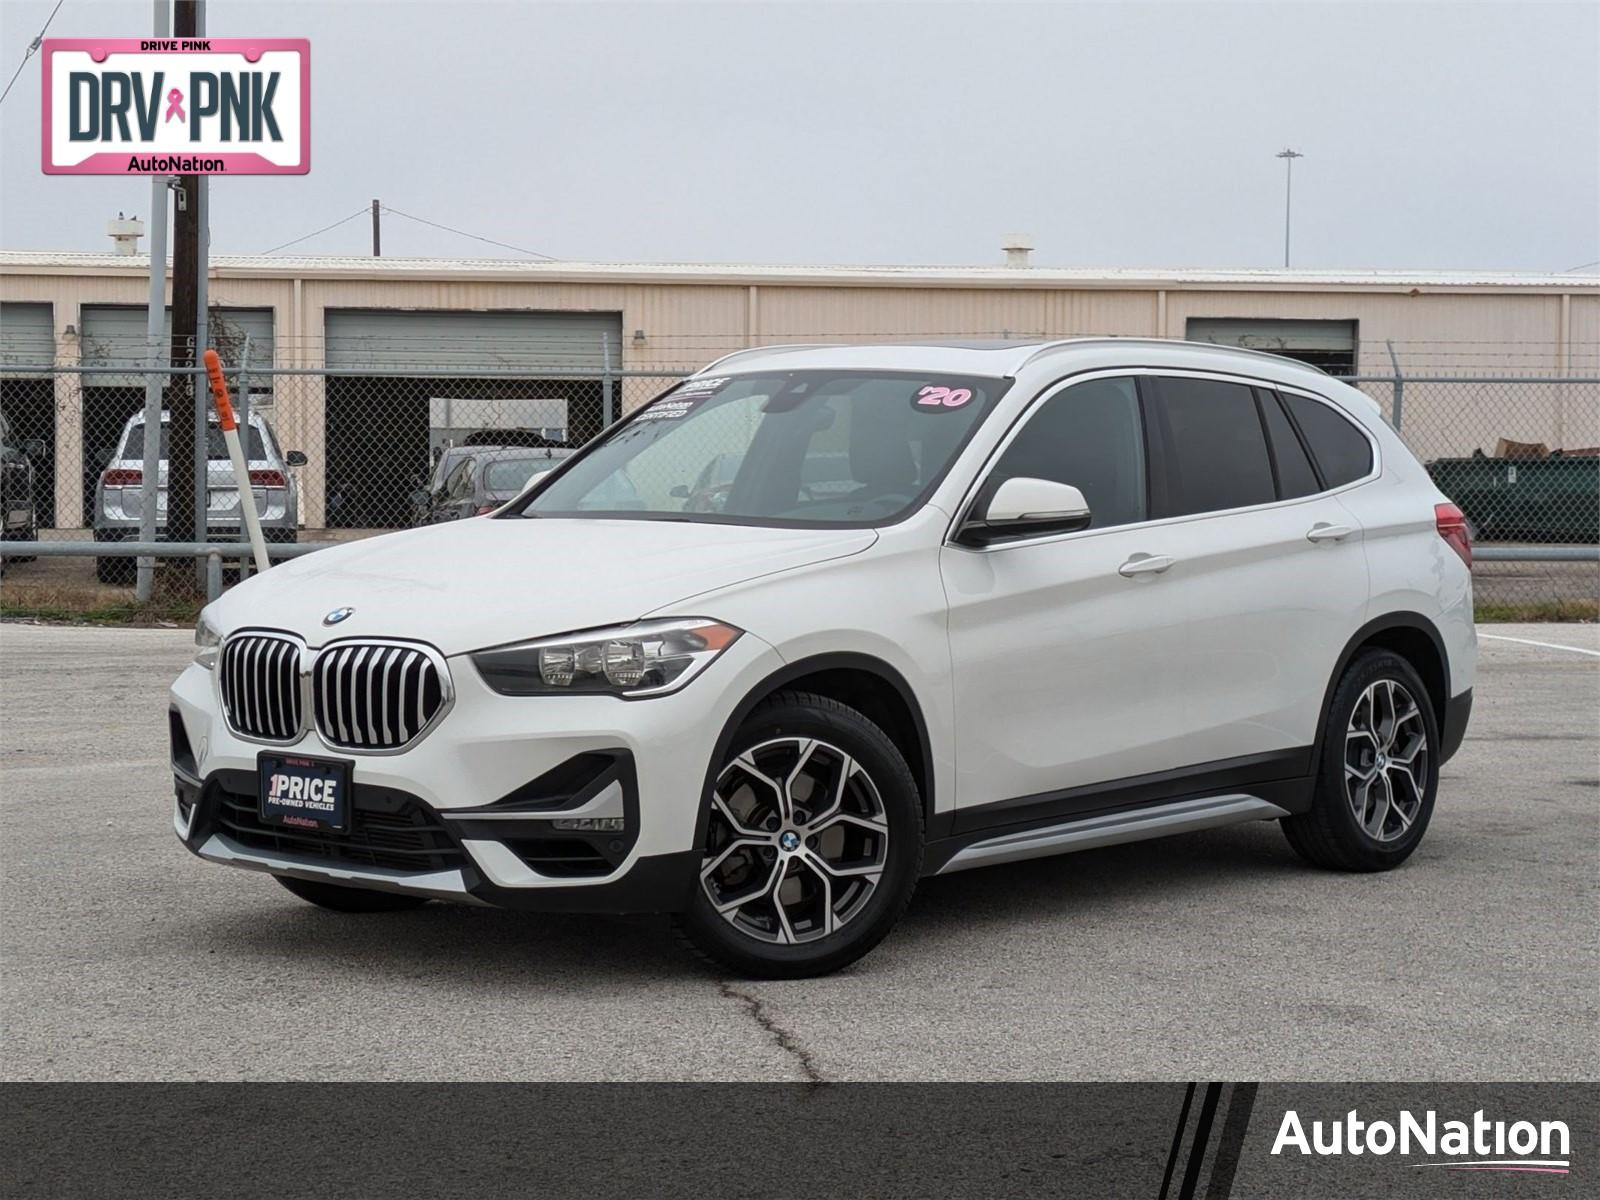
(459, 485)
(1089, 436)
(1215, 448)
(787, 448)
(1341, 450)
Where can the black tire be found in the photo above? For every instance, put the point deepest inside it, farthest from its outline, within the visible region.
(888, 783)
(349, 899)
(1331, 835)
(116, 570)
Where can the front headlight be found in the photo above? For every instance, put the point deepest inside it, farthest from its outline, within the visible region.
(645, 659)
(206, 641)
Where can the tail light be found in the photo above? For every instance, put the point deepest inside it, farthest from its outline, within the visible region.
(122, 477)
(1451, 523)
(268, 479)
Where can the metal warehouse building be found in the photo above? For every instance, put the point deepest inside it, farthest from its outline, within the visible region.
(371, 346)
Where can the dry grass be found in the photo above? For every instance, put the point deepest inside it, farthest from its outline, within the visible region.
(1583, 611)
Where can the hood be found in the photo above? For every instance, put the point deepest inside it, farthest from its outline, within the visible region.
(469, 584)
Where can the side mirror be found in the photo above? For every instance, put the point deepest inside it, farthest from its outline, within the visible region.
(537, 476)
(296, 458)
(33, 448)
(681, 492)
(1020, 507)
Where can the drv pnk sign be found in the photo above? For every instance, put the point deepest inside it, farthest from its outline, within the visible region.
(170, 106)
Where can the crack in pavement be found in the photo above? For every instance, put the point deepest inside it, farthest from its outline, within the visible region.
(786, 1041)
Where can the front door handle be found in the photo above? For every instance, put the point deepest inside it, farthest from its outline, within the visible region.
(1145, 564)
(1324, 532)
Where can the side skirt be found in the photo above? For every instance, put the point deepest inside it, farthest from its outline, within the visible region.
(1107, 829)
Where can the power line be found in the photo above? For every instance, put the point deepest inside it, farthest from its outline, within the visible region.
(475, 237)
(32, 49)
(360, 212)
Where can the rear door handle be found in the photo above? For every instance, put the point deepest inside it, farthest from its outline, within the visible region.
(1324, 532)
(1145, 564)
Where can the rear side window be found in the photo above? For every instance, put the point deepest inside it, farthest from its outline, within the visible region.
(1215, 449)
(1089, 436)
(1341, 450)
(1295, 474)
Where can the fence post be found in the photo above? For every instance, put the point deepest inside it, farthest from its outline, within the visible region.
(1399, 388)
(213, 576)
(607, 386)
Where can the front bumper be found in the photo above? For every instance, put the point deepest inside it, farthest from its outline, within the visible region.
(468, 812)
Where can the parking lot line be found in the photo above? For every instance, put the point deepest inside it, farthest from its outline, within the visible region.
(1497, 637)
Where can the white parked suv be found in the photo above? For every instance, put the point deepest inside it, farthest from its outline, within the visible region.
(953, 606)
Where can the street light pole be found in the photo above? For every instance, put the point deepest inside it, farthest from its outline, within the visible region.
(1288, 157)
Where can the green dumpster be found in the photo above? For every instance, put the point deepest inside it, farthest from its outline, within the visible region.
(1550, 499)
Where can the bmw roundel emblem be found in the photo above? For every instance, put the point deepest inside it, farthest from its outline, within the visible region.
(337, 615)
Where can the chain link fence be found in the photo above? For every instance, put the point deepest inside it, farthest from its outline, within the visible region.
(345, 453)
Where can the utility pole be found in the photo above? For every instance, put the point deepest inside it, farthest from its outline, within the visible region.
(181, 389)
(377, 240)
(155, 326)
(1288, 157)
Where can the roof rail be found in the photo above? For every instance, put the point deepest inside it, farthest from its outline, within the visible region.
(748, 350)
(1153, 341)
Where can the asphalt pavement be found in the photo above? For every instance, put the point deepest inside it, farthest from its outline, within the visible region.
(1212, 955)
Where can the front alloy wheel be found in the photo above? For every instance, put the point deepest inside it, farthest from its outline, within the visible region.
(798, 841)
(813, 842)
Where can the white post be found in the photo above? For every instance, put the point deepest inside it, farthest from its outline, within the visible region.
(241, 467)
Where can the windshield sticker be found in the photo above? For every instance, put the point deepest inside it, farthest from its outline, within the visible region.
(670, 408)
(937, 399)
(702, 387)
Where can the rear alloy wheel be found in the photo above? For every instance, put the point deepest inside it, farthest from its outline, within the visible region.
(813, 842)
(1386, 761)
(1378, 770)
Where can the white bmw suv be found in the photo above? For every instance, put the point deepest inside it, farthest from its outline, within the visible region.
(822, 620)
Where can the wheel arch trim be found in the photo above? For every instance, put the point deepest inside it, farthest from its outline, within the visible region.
(799, 669)
(1399, 619)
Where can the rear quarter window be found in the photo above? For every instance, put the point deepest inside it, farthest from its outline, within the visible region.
(1341, 449)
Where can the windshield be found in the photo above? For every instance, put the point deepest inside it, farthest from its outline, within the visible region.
(795, 447)
(509, 474)
(216, 446)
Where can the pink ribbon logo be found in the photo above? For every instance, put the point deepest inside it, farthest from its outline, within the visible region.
(175, 106)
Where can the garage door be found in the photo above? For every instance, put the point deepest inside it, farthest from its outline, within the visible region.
(116, 337)
(474, 343)
(26, 338)
(439, 377)
(1330, 345)
(28, 398)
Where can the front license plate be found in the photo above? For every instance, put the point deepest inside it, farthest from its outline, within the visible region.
(305, 793)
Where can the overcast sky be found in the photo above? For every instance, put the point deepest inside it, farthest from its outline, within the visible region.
(1435, 135)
